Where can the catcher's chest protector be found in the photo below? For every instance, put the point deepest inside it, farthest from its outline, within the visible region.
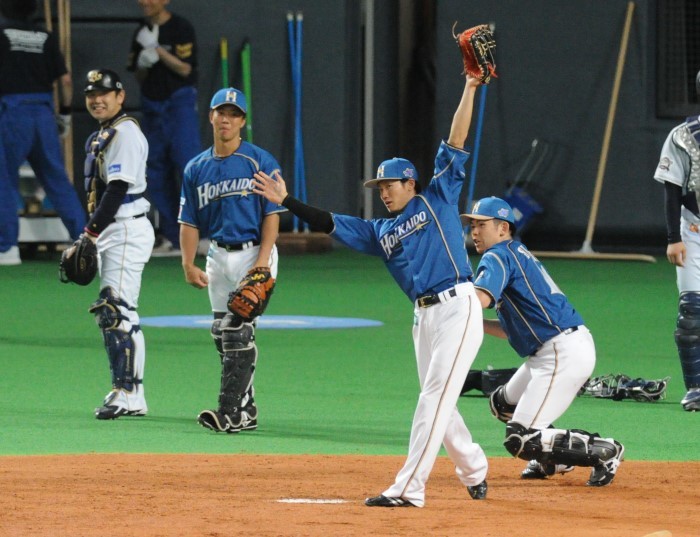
(94, 172)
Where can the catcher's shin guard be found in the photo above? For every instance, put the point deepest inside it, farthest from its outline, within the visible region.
(217, 335)
(111, 314)
(688, 338)
(237, 410)
(576, 447)
(568, 448)
(522, 442)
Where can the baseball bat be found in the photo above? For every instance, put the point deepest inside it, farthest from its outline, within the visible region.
(247, 88)
(223, 52)
(47, 15)
(586, 248)
(64, 30)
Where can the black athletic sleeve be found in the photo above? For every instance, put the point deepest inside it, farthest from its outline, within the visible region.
(108, 207)
(316, 218)
(673, 194)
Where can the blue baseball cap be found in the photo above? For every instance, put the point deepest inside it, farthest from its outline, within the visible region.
(395, 169)
(229, 96)
(488, 209)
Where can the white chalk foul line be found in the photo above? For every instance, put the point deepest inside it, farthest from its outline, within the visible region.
(309, 500)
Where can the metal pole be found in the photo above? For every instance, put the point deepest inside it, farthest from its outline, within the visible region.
(368, 121)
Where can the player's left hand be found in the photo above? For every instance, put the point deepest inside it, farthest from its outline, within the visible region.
(271, 189)
(196, 277)
(675, 253)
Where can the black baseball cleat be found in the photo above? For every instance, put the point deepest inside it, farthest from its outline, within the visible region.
(478, 492)
(386, 501)
(604, 473)
(237, 421)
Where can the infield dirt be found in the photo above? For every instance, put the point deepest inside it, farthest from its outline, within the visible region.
(226, 495)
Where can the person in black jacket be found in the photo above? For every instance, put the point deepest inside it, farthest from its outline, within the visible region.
(164, 57)
(30, 64)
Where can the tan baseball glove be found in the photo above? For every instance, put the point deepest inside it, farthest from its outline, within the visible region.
(251, 297)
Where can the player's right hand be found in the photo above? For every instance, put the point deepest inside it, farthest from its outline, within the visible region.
(271, 189)
(196, 277)
(675, 253)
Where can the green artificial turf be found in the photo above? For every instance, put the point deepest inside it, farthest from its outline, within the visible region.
(330, 391)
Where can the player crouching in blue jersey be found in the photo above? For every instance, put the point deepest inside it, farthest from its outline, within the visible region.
(544, 328)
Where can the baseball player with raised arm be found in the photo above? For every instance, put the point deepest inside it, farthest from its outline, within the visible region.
(218, 202)
(423, 249)
(544, 328)
(679, 171)
(115, 180)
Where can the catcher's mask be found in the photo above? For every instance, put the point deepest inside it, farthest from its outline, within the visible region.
(102, 80)
(80, 267)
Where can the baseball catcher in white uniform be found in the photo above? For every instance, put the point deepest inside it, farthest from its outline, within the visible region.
(679, 171)
(115, 181)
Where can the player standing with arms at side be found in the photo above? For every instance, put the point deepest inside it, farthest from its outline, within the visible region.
(679, 171)
(30, 63)
(164, 56)
(218, 202)
(544, 328)
(423, 249)
(115, 180)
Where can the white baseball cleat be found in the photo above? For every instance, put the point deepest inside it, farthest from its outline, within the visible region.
(120, 402)
(166, 249)
(691, 401)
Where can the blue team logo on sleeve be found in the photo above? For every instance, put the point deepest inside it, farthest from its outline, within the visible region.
(114, 168)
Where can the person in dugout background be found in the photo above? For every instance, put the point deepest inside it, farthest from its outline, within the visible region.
(30, 63)
(164, 56)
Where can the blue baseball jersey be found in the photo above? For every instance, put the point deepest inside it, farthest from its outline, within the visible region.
(217, 194)
(423, 247)
(529, 305)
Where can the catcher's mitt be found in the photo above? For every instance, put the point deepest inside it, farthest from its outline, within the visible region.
(79, 262)
(477, 46)
(250, 299)
(619, 387)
